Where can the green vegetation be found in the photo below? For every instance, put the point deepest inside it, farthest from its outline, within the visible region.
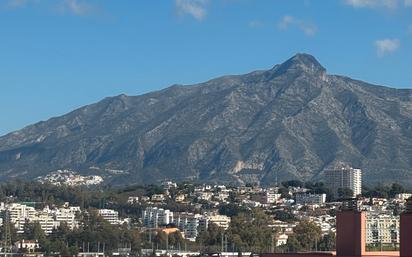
(382, 247)
(284, 216)
(383, 191)
(249, 230)
(93, 234)
(308, 237)
(344, 193)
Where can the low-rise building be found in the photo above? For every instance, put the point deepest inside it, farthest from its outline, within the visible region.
(308, 199)
(180, 198)
(109, 215)
(27, 246)
(281, 239)
(158, 198)
(132, 199)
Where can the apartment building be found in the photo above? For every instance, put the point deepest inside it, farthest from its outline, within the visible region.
(272, 196)
(68, 216)
(188, 223)
(382, 229)
(344, 177)
(310, 199)
(46, 221)
(19, 214)
(154, 217)
(222, 221)
(109, 215)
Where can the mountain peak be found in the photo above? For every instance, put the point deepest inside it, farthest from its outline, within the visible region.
(302, 61)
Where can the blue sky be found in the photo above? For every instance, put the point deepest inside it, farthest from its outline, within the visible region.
(58, 55)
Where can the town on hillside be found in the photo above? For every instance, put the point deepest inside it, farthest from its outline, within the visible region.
(188, 219)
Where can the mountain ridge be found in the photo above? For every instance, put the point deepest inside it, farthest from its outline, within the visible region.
(291, 121)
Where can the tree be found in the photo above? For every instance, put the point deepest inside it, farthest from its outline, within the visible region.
(328, 242)
(176, 239)
(284, 216)
(293, 245)
(160, 239)
(306, 236)
(33, 231)
(250, 231)
(210, 238)
(231, 209)
(292, 183)
(345, 192)
(396, 189)
(284, 192)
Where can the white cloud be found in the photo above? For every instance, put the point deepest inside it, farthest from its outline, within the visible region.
(289, 21)
(194, 8)
(392, 4)
(255, 24)
(77, 7)
(17, 3)
(386, 46)
(408, 2)
(20, 3)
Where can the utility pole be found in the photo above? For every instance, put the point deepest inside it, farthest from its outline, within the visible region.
(6, 233)
(272, 247)
(167, 243)
(225, 243)
(221, 239)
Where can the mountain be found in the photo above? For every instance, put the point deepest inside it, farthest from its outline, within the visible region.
(289, 122)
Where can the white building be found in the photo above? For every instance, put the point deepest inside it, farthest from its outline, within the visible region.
(68, 216)
(222, 221)
(310, 199)
(207, 196)
(29, 246)
(19, 214)
(344, 177)
(382, 229)
(47, 222)
(403, 197)
(281, 239)
(188, 223)
(158, 198)
(154, 217)
(132, 199)
(272, 196)
(167, 185)
(180, 198)
(109, 215)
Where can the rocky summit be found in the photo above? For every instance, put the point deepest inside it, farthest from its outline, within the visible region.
(289, 122)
